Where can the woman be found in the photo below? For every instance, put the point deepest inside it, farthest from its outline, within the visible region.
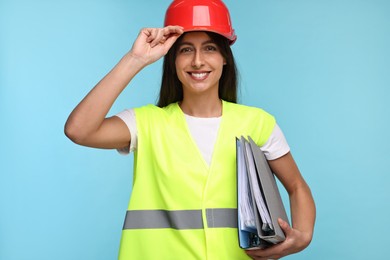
(183, 201)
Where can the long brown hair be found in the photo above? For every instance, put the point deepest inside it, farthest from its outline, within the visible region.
(171, 88)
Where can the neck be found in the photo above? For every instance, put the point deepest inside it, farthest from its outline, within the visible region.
(199, 106)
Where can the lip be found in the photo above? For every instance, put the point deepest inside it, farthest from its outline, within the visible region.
(199, 75)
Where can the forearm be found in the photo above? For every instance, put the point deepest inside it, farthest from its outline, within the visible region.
(89, 114)
(303, 212)
(301, 200)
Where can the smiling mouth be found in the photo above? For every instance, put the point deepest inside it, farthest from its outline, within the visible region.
(199, 75)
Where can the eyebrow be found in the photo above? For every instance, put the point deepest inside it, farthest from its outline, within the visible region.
(191, 44)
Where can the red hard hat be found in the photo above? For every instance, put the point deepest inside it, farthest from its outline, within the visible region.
(201, 15)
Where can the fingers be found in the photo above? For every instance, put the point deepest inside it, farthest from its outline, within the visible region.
(285, 227)
(263, 256)
(153, 43)
(157, 36)
(295, 241)
(273, 252)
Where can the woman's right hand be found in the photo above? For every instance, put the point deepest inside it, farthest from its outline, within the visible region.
(153, 43)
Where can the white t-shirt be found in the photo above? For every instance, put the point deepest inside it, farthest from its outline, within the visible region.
(204, 132)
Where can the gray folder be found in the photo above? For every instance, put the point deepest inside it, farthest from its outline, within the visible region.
(257, 189)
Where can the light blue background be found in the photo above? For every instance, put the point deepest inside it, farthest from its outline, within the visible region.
(321, 67)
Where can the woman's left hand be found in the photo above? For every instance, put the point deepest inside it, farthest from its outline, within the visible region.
(295, 242)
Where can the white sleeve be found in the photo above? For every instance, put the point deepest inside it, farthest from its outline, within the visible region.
(128, 116)
(276, 145)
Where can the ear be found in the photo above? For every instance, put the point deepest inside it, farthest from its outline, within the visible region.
(224, 60)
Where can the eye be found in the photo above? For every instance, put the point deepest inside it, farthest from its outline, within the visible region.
(185, 50)
(211, 48)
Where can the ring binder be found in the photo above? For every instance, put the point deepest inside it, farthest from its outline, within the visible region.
(259, 201)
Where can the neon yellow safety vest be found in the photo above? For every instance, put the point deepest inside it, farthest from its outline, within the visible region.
(181, 207)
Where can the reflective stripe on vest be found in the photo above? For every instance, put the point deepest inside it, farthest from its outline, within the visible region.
(180, 219)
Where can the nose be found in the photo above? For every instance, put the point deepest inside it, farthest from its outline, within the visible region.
(197, 60)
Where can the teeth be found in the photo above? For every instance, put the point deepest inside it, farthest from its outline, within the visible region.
(199, 75)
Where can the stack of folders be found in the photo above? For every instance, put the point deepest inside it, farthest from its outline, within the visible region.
(259, 201)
